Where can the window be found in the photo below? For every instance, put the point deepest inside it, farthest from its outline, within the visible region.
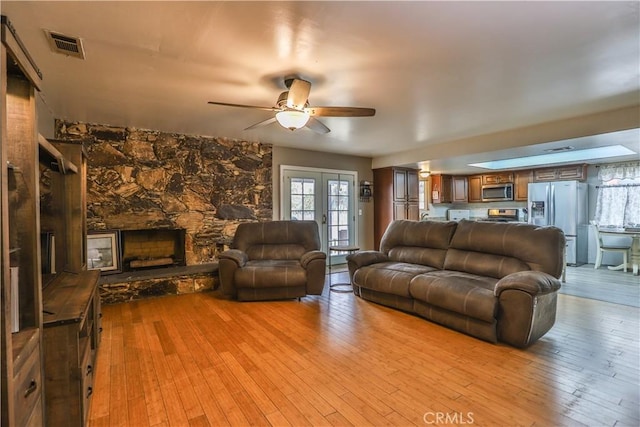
(422, 203)
(618, 198)
(302, 199)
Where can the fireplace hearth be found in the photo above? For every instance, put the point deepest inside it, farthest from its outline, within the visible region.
(152, 248)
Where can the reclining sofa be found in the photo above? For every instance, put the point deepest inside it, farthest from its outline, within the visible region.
(273, 260)
(494, 281)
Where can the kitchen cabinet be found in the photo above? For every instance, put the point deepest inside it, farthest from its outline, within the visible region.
(448, 189)
(522, 180)
(459, 189)
(562, 173)
(497, 178)
(395, 196)
(21, 396)
(475, 188)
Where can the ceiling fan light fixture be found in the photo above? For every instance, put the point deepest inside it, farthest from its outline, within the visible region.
(424, 174)
(292, 120)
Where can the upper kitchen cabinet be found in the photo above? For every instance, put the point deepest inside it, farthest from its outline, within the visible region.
(21, 397)
(562, 173)
(475, 188)
(522, 180)
(395, 196)
(497, 178)
(448, 189)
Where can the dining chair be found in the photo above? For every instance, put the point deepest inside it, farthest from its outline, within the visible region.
(602, 247)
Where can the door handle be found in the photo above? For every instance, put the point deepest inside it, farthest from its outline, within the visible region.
(324, 218)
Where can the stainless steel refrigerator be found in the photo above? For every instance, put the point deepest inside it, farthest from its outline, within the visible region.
(563, 204)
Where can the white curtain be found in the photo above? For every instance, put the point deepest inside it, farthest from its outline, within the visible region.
(619, 171)
(618, 205)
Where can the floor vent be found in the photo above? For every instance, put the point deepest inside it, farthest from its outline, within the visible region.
(66, 45)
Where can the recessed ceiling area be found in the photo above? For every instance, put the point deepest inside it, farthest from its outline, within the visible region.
(444, 77)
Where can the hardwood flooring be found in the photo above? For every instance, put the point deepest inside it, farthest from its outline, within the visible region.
(201, 360)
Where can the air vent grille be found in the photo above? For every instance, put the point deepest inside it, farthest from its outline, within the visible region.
(559, 149)
(66, 45)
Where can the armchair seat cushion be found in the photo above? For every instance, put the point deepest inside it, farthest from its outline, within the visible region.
(270, 273)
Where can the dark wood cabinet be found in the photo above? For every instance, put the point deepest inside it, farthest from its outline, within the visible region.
(21, 375)
(522, 180)
(562, 173)
(72, 329)
(459, 189)
(448, 189)
(395, 196)
(497, 178)
(65, 213)
(475, 188)
(441, 191)
(71, 323)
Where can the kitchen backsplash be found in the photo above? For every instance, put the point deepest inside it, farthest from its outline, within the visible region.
(476, 210)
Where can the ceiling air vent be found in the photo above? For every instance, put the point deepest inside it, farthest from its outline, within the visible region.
(559, 149)
(66, 45)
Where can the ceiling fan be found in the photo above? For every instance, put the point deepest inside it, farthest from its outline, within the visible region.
(292, 110)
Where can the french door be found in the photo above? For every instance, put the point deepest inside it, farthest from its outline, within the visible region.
(324, 196)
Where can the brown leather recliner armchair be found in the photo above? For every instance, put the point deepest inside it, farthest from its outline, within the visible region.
(273, 260)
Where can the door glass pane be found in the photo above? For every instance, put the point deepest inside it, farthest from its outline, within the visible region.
(338, 212)
(302, 198)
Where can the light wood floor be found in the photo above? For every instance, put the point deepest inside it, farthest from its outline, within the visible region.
(198, 360)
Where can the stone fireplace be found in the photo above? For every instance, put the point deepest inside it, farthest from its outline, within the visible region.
(152, 248)
(141, 179)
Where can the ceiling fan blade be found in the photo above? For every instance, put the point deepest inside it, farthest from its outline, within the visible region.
(341, 111)
(262, 123)
(317, 126)
(226, 104)
(298, 94)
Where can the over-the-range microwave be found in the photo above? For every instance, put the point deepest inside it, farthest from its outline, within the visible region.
(497, 192)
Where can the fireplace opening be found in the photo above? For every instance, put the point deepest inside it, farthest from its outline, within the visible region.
(145, 249)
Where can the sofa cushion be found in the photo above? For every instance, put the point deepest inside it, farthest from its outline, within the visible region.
(276, 239)
(277, 252)
(460, 292)
(270, 273)
(421, 242)
(514, 246)
(483, 264)
(389, 277)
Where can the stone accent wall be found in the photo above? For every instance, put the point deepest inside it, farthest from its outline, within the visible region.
(147, 288)
(140, 179)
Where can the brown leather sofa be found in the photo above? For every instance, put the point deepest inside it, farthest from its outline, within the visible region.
(273, 260)
(494, 281)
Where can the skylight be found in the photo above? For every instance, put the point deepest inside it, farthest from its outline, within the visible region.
(560, 157)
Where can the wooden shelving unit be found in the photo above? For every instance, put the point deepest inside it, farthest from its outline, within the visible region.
(47, 360)
(21, 313)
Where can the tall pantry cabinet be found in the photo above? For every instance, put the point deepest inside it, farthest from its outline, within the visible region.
(395, 196)
(21, 398)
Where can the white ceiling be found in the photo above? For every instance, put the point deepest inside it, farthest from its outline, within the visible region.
(450, 81)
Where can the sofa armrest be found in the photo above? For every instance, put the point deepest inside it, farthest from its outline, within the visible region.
(531, 282)
(239, 257)
(362, 258)
(307, 257)
(527, 306)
